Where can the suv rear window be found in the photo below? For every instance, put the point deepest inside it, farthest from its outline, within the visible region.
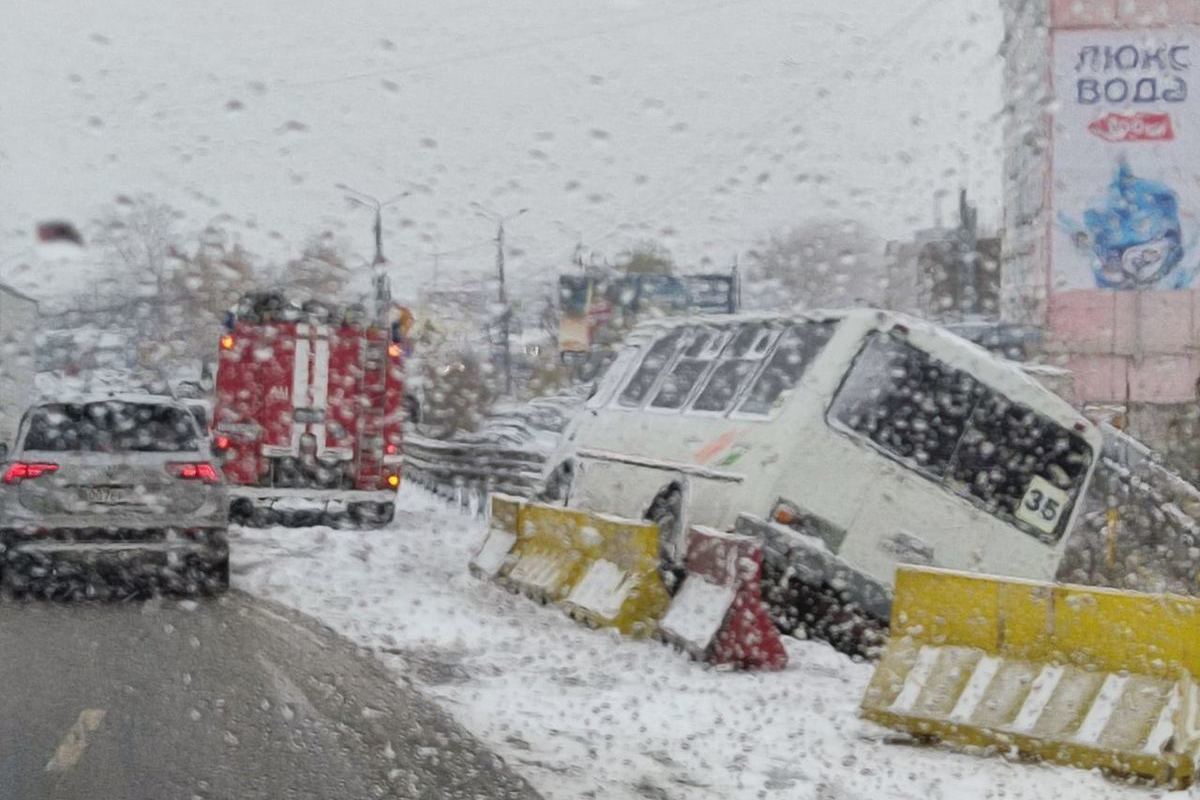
(110, 426)
(1017, 464)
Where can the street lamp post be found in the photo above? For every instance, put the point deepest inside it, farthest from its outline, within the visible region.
(577, 256)
(506, 312)
(379, 277)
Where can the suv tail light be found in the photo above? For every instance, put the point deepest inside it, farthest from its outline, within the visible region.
(23, 470)
(195, 471)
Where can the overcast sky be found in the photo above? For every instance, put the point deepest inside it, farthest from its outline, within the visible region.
(703, 125)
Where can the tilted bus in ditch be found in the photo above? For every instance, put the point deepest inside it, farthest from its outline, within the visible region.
(852, 441)
(891, 474)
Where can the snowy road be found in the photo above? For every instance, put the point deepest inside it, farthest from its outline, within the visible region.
(583, 713)
(221, 698)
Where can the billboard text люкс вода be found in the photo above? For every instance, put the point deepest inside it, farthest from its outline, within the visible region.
(1126, 162)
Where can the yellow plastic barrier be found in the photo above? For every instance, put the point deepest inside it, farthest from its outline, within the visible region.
(621, 586)
(550, 553)
(1076, 675)
(494, 555)
(601, 569)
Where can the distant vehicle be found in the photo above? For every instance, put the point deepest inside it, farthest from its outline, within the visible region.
(309, 412)
(112, 494)
(852, 440)
(596, 310)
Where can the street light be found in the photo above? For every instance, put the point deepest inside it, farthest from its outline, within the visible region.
(499, 219)
(578, 236)
(365, 200)
(383, 293)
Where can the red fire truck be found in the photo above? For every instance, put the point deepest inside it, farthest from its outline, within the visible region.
(308, 417)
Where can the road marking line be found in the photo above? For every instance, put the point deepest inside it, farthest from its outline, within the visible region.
(75, 741)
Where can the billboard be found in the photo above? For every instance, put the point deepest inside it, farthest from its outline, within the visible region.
(1126, 160)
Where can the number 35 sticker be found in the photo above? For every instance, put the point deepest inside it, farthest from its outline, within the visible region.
(1042, 505)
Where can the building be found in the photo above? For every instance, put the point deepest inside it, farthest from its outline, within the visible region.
(18, 325)
(1102, 202)
(946, 274)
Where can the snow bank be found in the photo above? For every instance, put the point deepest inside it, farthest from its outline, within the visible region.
(583, 713)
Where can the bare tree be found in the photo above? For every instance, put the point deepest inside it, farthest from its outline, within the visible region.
(172, 294)
(647, 258)
(205, 284)
(320, 273)
(141, 242)
(458, 387)
(210, 279)
(141, 246)
(831, 263)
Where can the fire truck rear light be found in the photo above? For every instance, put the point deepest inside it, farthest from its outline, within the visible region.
(391, 449)
(221, 442)
(393, 481)
(21, 470)
(195, 471)
(394, 350)
(226, 342)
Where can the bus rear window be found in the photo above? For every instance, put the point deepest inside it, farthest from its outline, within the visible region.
(1015, 463)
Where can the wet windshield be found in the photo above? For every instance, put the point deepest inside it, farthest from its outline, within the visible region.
(631, 399)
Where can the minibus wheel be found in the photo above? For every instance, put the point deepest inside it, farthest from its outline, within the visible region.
(666, 510)
(557, 488)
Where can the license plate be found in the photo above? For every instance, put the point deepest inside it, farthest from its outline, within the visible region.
(107, 496)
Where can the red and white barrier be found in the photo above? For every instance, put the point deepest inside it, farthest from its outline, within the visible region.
(718, 614)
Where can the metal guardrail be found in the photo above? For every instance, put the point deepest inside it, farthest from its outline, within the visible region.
(466, 472)
(1139, 527)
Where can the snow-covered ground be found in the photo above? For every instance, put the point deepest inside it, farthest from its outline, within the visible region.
(584, 713)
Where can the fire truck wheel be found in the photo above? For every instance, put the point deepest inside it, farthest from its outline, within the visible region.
(218, 577)
(371, 515)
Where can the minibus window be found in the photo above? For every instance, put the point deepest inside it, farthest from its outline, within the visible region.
(704, 346)
(658, 358)
(796, 350)
(738, 363)
(1017, 464)
(907, 402)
